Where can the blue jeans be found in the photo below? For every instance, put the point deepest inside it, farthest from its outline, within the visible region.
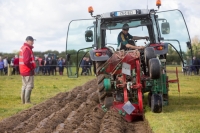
(37, 70)
(47, 70)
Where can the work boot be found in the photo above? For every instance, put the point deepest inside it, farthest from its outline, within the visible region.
(23, 96)
(27, 96)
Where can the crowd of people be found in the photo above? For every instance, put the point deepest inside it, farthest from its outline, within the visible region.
(48, 65)
(13, 63)
(193, 68)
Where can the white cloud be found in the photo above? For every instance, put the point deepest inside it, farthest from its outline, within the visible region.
(47, 20)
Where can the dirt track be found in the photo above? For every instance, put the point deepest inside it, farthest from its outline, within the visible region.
(71, 112)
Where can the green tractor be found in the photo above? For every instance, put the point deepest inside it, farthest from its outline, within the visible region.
(124, 75)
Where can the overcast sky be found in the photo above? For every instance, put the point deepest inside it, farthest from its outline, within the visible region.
(47, 20)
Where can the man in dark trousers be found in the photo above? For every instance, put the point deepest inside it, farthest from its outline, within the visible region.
(83, 66)
(26, 67)
(53, 65)
(68, 61)
(196, 65)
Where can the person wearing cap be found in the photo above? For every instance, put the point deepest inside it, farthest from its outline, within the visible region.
(26, 67)
(124, 37)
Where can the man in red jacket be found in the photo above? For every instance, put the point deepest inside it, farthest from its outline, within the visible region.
(26, 67)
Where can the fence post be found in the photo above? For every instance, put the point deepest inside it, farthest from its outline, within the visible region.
(8, 70)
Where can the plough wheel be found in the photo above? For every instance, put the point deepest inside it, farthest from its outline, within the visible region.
(149, 99)
(156, 103)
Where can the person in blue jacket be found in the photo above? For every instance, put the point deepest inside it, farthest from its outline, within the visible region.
(60, 65)
(83, 66)
(1, 66)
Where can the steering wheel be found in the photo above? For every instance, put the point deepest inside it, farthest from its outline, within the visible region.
(132, 42)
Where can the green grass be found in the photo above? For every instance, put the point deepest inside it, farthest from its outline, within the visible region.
(45, 87)
(183, 113)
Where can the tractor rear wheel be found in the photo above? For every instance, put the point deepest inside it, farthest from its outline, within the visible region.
(100, 82)
(156, 103)
(149, 53)
(101, 88)
(154, 68)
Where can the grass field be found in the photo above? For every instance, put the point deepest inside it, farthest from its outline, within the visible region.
(182, 114)
(45, 87)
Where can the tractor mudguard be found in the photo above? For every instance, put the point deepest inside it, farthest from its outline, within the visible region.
(161, 52)
(103, 57)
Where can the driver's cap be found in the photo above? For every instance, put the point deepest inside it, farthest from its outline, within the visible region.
(125, 27)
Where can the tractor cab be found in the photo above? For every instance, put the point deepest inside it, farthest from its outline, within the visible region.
(96, 38)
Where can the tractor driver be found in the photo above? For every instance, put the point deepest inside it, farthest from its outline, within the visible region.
(124, 37)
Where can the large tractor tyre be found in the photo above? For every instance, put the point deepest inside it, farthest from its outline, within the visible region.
(156, 103)
(149, 99)
(100, 82)
(154, 68)
(149, 53)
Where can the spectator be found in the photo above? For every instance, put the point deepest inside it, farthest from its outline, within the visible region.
(16, 64)
(83, 66)
(27, 66)
(53, 65)
(5, 62)
(60, 65)
(37, 65)
(88, 66)
(64, 64)
(47, 65)
(196, 65)
(12, 65)
(40, 64)
(1, 66)
(68, 63)
(42, 68)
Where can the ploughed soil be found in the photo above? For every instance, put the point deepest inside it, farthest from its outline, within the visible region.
(76, 111)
